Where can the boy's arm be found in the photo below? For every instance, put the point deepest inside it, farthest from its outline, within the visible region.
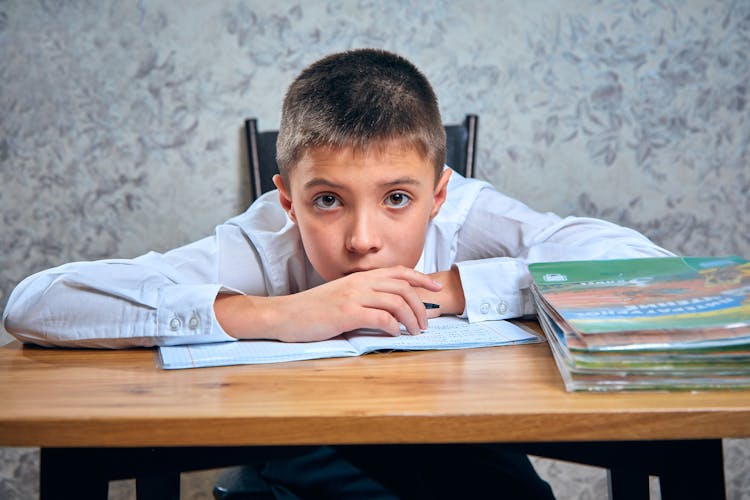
(155, 299)
(501, 236)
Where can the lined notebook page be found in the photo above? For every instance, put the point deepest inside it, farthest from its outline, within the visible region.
(250, 352)
(447, 332)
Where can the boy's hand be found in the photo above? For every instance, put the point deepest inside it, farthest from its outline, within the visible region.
(450, 297)
(379, 299)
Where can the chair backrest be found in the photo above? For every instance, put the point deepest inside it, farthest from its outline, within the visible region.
(461, 142)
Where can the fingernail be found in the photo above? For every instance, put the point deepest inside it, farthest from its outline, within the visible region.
(437, 282)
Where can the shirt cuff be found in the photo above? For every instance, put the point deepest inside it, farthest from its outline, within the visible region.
(185, 315)
(494, 288)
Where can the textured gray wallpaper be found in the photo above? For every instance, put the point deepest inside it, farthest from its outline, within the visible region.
(120, 122)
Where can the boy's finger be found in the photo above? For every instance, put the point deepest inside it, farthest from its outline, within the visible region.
(390, 300)
(413, 277)
(407, 307)
(413, 320)
(380, 320)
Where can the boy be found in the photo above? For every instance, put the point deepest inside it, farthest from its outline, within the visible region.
(366, 222)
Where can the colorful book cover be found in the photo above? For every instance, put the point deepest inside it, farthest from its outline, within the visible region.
(707, 368)
(709, 295)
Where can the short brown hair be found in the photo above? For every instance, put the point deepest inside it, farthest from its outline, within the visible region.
(361, 99)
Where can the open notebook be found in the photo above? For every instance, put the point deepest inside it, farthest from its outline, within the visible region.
(443, 333)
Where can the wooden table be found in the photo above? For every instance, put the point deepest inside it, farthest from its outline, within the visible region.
(67, 401)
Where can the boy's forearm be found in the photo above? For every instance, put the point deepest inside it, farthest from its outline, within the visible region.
(248, 317)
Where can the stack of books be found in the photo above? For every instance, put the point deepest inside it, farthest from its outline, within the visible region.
(655, 323)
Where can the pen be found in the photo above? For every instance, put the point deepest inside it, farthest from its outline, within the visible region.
(430, 305)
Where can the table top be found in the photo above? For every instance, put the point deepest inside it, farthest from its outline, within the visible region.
(65, 397)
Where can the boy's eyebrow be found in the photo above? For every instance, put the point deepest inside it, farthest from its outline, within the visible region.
(402, 180)
(318, 181)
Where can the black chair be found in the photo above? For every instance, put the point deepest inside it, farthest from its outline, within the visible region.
(461, 147)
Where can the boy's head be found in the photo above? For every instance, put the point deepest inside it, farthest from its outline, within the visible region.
(360, 99)
(361, 149)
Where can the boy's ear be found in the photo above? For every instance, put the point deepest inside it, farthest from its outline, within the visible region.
(441, 192)
(285, 198)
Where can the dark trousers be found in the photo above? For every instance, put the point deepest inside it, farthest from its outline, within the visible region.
(406, 472)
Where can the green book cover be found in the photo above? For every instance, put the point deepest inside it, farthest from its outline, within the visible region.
(660, 294)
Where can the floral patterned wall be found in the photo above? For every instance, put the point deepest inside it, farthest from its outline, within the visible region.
(120, 122)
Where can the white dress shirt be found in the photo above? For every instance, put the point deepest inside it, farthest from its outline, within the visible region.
(167, 299)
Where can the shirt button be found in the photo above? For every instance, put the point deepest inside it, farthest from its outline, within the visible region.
(194, 322)
(175, 324)
(502, 307)
(484, 308)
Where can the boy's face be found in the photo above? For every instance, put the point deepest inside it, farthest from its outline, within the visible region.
(362, 210)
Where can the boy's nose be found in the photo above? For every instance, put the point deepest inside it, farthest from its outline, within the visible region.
(363, 236)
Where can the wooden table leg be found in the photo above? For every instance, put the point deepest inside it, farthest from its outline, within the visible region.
(71, 473)
(693, 469)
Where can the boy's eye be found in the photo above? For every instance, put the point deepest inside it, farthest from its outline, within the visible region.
(397, 200)
(326, 201)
